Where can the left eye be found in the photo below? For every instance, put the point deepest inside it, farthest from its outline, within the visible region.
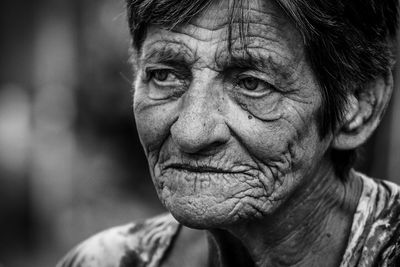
(249, 83)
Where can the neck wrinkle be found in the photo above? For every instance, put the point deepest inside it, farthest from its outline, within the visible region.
(313, 224)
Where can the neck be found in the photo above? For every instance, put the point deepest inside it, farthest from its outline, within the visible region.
(311, 227)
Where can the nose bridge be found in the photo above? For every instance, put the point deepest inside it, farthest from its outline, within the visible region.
(202, 100)
(200, 123)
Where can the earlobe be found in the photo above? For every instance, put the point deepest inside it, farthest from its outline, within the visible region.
(363, 113)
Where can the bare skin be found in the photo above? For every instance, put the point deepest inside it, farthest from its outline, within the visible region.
(232, 140)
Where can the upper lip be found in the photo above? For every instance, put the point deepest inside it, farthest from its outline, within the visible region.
(198, 168)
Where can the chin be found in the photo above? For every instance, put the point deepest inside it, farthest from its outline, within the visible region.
(217, 200)
(194, 219)
(204, 212)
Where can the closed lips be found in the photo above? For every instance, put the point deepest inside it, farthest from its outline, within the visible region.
(199, 169)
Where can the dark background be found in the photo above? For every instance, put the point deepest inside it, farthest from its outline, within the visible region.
(70, 160)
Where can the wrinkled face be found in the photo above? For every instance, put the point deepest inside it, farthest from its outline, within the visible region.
(228, 136)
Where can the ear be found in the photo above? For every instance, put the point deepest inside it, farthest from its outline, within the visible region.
(363, 113)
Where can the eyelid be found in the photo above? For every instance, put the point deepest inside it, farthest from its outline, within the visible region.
(147, 72)
(262, 78)
(152, 67)
(169, 80)
(253, 74)
(266, 87)
(179, 71)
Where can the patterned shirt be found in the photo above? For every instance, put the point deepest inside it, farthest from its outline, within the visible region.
(374, 238)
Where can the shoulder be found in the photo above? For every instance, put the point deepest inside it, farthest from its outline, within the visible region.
(135, 244)
(391, 255)
(375, 233)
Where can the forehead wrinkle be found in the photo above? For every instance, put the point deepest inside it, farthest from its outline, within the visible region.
(253, 47)
(264, 29)
(250, 37)
(223, 12)
(260, 19)
(219, 18)
(215, 23)
(195, 34)
(235, 39)
(285, 61)
(251, 40)
(208, 24)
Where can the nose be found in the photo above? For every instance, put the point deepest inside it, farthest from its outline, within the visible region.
(200, 127)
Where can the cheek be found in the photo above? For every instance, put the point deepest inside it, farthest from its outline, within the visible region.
(153, 121)
(262, 108)
(283, 141)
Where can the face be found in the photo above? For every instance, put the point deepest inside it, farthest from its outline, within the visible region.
(229, 136)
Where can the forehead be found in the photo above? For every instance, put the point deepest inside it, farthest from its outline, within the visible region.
(257, 25)
(243, 18)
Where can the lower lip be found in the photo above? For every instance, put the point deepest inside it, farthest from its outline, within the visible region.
(202, 178)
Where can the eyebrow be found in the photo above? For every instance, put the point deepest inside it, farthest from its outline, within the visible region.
(167, 54)
(246, 59)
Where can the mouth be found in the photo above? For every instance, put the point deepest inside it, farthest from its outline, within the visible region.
(197, 168)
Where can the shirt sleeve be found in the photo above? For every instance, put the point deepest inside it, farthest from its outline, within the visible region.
(134, 245)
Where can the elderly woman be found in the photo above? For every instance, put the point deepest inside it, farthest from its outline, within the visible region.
(250, 113)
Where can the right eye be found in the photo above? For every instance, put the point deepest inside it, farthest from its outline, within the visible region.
(164, 77)
(160, 75)
(165, 83)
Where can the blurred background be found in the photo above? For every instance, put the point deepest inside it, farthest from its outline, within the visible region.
(70, 160)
